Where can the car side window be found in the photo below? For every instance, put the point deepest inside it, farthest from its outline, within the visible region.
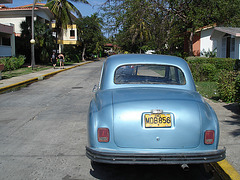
(149, 74)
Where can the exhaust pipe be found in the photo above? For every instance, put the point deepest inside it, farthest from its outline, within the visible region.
(185, 167)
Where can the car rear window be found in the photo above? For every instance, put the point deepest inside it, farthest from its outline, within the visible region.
(149, 74)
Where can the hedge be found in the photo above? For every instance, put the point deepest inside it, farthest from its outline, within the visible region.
(224, 71)
(207, 69)
(12, 63)
(238, 88)
(228, 85)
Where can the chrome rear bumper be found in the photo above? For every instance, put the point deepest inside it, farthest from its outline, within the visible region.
(155, 158)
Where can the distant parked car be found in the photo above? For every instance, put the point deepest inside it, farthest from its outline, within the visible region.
(150, 52)
(147, 111)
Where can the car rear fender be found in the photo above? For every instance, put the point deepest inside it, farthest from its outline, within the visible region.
(210, 123)
(100, 115)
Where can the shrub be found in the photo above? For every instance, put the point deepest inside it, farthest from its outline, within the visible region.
(209, 53)
(73, 53)
(11, 63)
(21, 60)
(207, 72)
(228, 85)
(201, 67)
(238, 88)
(223, 70)
(5, 62)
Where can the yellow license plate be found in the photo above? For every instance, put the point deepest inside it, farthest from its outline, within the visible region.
(158, 120)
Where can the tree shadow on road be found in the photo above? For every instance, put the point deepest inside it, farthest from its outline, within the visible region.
(235, 109)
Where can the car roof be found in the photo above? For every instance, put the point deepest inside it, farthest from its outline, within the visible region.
(113, 62)
(145, 59)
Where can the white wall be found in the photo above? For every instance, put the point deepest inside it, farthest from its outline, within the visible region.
(16, 21)
(237, 46)
(205, 42)
(66, 34)
(13, 45)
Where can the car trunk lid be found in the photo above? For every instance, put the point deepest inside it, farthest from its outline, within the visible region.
(130, 106)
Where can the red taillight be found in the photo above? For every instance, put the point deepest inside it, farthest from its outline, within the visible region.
(103, 135)
(209, 137)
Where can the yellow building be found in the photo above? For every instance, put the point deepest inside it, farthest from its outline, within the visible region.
(67, 36)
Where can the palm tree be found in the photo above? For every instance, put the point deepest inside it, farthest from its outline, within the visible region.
(62, 11)
(90, 33)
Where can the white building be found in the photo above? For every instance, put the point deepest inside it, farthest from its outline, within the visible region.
(68, 37)
(7, 40)
(228, 42)
(17, 15)
(11, 19)
(225, 41)
(202, 41)
(206, 44)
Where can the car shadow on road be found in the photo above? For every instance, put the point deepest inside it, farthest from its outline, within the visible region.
(119, 172)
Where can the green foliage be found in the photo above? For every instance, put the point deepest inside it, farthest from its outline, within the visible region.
(91, 35)
(228, 85)
(207, 69)
(238, 88)
(23, 71)
(62, 11)
(208, 72)
(44, 42)
(208, 89)
(209, 53)
(224, 71)
(12, 63)
(165, 24)
(138, 24)
(23, 45)
(72, 53)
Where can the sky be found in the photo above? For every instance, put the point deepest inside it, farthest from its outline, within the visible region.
(85, 10)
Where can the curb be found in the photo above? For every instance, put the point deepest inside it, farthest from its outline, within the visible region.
(53, 73)
(225, 170)
(32, 80)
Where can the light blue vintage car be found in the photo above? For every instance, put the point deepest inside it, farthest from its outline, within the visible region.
(146, 110)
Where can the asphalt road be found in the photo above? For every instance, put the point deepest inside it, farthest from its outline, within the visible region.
(43, 134)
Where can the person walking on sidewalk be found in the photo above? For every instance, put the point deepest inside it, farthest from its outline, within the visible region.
(54, 60)
(61, 60)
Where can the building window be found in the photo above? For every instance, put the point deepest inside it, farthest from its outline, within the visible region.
(72, 34)
(6, 41)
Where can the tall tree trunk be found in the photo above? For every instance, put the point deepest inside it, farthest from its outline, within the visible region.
(56, 40)
(190, 44)
(83, 53)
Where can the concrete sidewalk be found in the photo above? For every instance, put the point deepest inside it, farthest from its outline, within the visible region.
(228, 115)
(229, 122)
(6, 84)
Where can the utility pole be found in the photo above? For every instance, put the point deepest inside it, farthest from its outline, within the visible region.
(32, 41)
